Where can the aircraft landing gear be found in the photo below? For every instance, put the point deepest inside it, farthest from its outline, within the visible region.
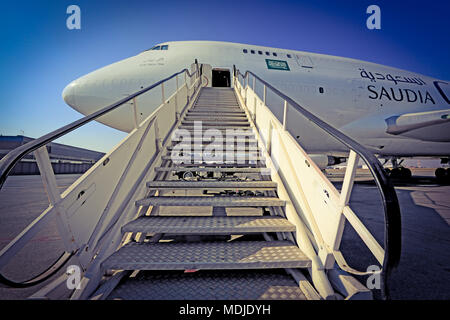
(443, 174)
(398, 172)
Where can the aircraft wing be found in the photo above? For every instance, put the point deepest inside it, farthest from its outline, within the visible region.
(426, 126)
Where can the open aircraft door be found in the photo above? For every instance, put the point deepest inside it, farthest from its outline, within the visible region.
(207, 75)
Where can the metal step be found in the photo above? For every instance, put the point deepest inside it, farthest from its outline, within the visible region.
(246, 148)
(269, 284)
(265, 171)
(215, 123)
(212, 201)
(215, 126)
(209, 112)
(225, 165)
(206, 141)
(209, 225)
(222, 160)
(207, 255)
(237, 133)
(217, 101)
(229, 105)
(222, 185)
(217, 109)
(215, 118)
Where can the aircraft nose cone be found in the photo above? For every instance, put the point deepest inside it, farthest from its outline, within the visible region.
(69, 93)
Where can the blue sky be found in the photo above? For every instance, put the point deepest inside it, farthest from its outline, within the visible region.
(40, 56)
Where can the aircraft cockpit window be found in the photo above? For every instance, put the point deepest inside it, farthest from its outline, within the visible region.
(156, 48)
(165, 47)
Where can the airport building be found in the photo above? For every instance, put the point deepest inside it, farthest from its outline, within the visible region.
(65, 159)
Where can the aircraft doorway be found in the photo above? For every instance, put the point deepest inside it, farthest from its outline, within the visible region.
(221, 78)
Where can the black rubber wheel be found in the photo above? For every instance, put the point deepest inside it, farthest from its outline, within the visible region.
(406, 173)
(441, 173)
(396, 173)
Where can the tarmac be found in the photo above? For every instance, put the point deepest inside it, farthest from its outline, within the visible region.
(423, 272)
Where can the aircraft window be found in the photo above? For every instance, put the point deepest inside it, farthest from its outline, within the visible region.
(245, 50)
(252, 51)
(321, 90)
(289, 56)
(274, 54)
(156, 48)
(259, 52)
(267, 53)
(165, 47)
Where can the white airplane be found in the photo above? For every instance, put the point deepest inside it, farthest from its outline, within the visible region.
(393, 112)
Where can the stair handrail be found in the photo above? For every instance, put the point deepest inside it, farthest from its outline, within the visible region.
(8, 162)
(391, 206)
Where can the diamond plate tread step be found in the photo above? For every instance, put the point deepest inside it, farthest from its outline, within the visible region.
(207, 255)
(208, 201)
(225, 103)
(225, 165)
(209, 112)
(252, 149)
(270, 284)
(240, 133)
(215, 119)
(191, 159)
(218, 116)
(265, 171)
(241, 155)
(213, 123)
(229, 101)
(217, 110)
(234, 185)
(207, 118)
(226, 109)
(208, 141)
(213, 126)
(209, 225)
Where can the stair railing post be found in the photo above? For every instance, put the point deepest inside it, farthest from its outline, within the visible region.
(264, 94)
(346, 191)
(158, 142)
(51, 187)
(176, 100)
(163, 98)
(285, 115)
(135, 117)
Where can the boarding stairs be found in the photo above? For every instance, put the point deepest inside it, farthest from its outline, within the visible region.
(201, 201)
(237, 244)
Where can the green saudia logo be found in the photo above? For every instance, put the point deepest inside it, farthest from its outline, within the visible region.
(277, 64)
